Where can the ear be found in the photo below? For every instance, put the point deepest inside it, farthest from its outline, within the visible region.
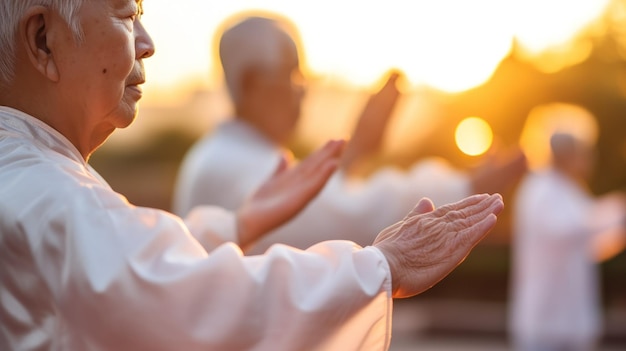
(34, 31)
(249, 80)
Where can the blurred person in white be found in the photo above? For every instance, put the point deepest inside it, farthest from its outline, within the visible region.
(262, 68)
(83, 269)
(560, 233)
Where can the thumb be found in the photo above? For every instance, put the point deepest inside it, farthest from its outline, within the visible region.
(425, 205)
(285, 159)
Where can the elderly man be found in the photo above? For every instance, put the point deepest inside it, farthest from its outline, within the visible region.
(82, 269)
(261, 68)
(560, 233)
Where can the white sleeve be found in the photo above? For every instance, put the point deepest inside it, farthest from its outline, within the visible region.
(212, 226)
(132, 278)
(357, 210)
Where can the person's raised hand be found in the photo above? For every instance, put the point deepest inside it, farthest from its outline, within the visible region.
(286, 193)
(429, 243)
(368, 135)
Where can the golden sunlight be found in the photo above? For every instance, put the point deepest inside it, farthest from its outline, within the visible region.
(452, 45)
(546, 30)
(473, 136)
(447, 44)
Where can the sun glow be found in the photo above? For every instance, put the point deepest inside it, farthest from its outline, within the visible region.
(549, 41)
(473, 136)
(452, 45)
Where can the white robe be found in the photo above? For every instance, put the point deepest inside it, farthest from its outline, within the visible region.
(226, 166)
(82, 269)
(555, 286)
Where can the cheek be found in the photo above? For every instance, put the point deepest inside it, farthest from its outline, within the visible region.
(115, 55)
(116, 62)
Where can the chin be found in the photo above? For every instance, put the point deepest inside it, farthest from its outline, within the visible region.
(125, 119)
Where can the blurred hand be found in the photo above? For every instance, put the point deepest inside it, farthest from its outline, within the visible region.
(499, 172)
(367, 137)
(286, 193)
(609, 225)
(429, 243)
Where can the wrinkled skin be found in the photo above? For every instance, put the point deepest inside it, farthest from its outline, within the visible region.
(429, 243)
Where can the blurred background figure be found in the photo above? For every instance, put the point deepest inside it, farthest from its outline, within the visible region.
(262, 68)
(560, 232)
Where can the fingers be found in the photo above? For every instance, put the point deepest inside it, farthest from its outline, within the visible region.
(474, 234)
(317, 168)
(492, 205)
(471, 210)
(282, 165)
(467, 202)
(457, 213)
(425, 205)
(327, 169)
(475, 226)
(392, 79)
(477, 203)
(498, 204)
(331, 150)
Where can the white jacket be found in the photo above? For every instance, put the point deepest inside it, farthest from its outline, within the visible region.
(555, 283)
(81, 269)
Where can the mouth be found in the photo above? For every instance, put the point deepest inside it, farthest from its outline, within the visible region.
(134, 86)
(135, 90)
(136, 78)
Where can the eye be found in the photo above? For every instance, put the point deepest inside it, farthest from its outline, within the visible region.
(136, 15)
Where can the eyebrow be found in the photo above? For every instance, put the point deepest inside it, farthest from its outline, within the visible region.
(139, 6)
(128, 4)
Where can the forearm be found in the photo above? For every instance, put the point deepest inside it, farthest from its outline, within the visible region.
(163, 281)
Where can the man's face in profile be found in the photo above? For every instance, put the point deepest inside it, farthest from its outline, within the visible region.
(103, 71)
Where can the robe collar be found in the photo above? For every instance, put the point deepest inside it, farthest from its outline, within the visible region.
(19, 123)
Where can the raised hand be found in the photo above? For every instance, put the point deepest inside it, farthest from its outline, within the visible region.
(369, 132)
(429, 243)
(287, 192)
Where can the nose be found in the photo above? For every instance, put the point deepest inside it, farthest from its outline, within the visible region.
(144, 46)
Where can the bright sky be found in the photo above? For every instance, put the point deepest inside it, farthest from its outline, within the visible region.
(452, 45)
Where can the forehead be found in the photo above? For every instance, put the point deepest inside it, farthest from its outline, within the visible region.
(119, 4)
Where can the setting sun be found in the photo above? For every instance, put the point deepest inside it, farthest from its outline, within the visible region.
(473, 136)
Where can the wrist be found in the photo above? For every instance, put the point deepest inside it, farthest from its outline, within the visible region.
(243, 229)
(392, 264)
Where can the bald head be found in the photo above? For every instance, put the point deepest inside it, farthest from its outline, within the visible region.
(254, 43)
(262, 71)
(571, 155)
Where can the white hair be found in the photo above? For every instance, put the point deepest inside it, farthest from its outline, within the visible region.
(255, 42)
(11, 12)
